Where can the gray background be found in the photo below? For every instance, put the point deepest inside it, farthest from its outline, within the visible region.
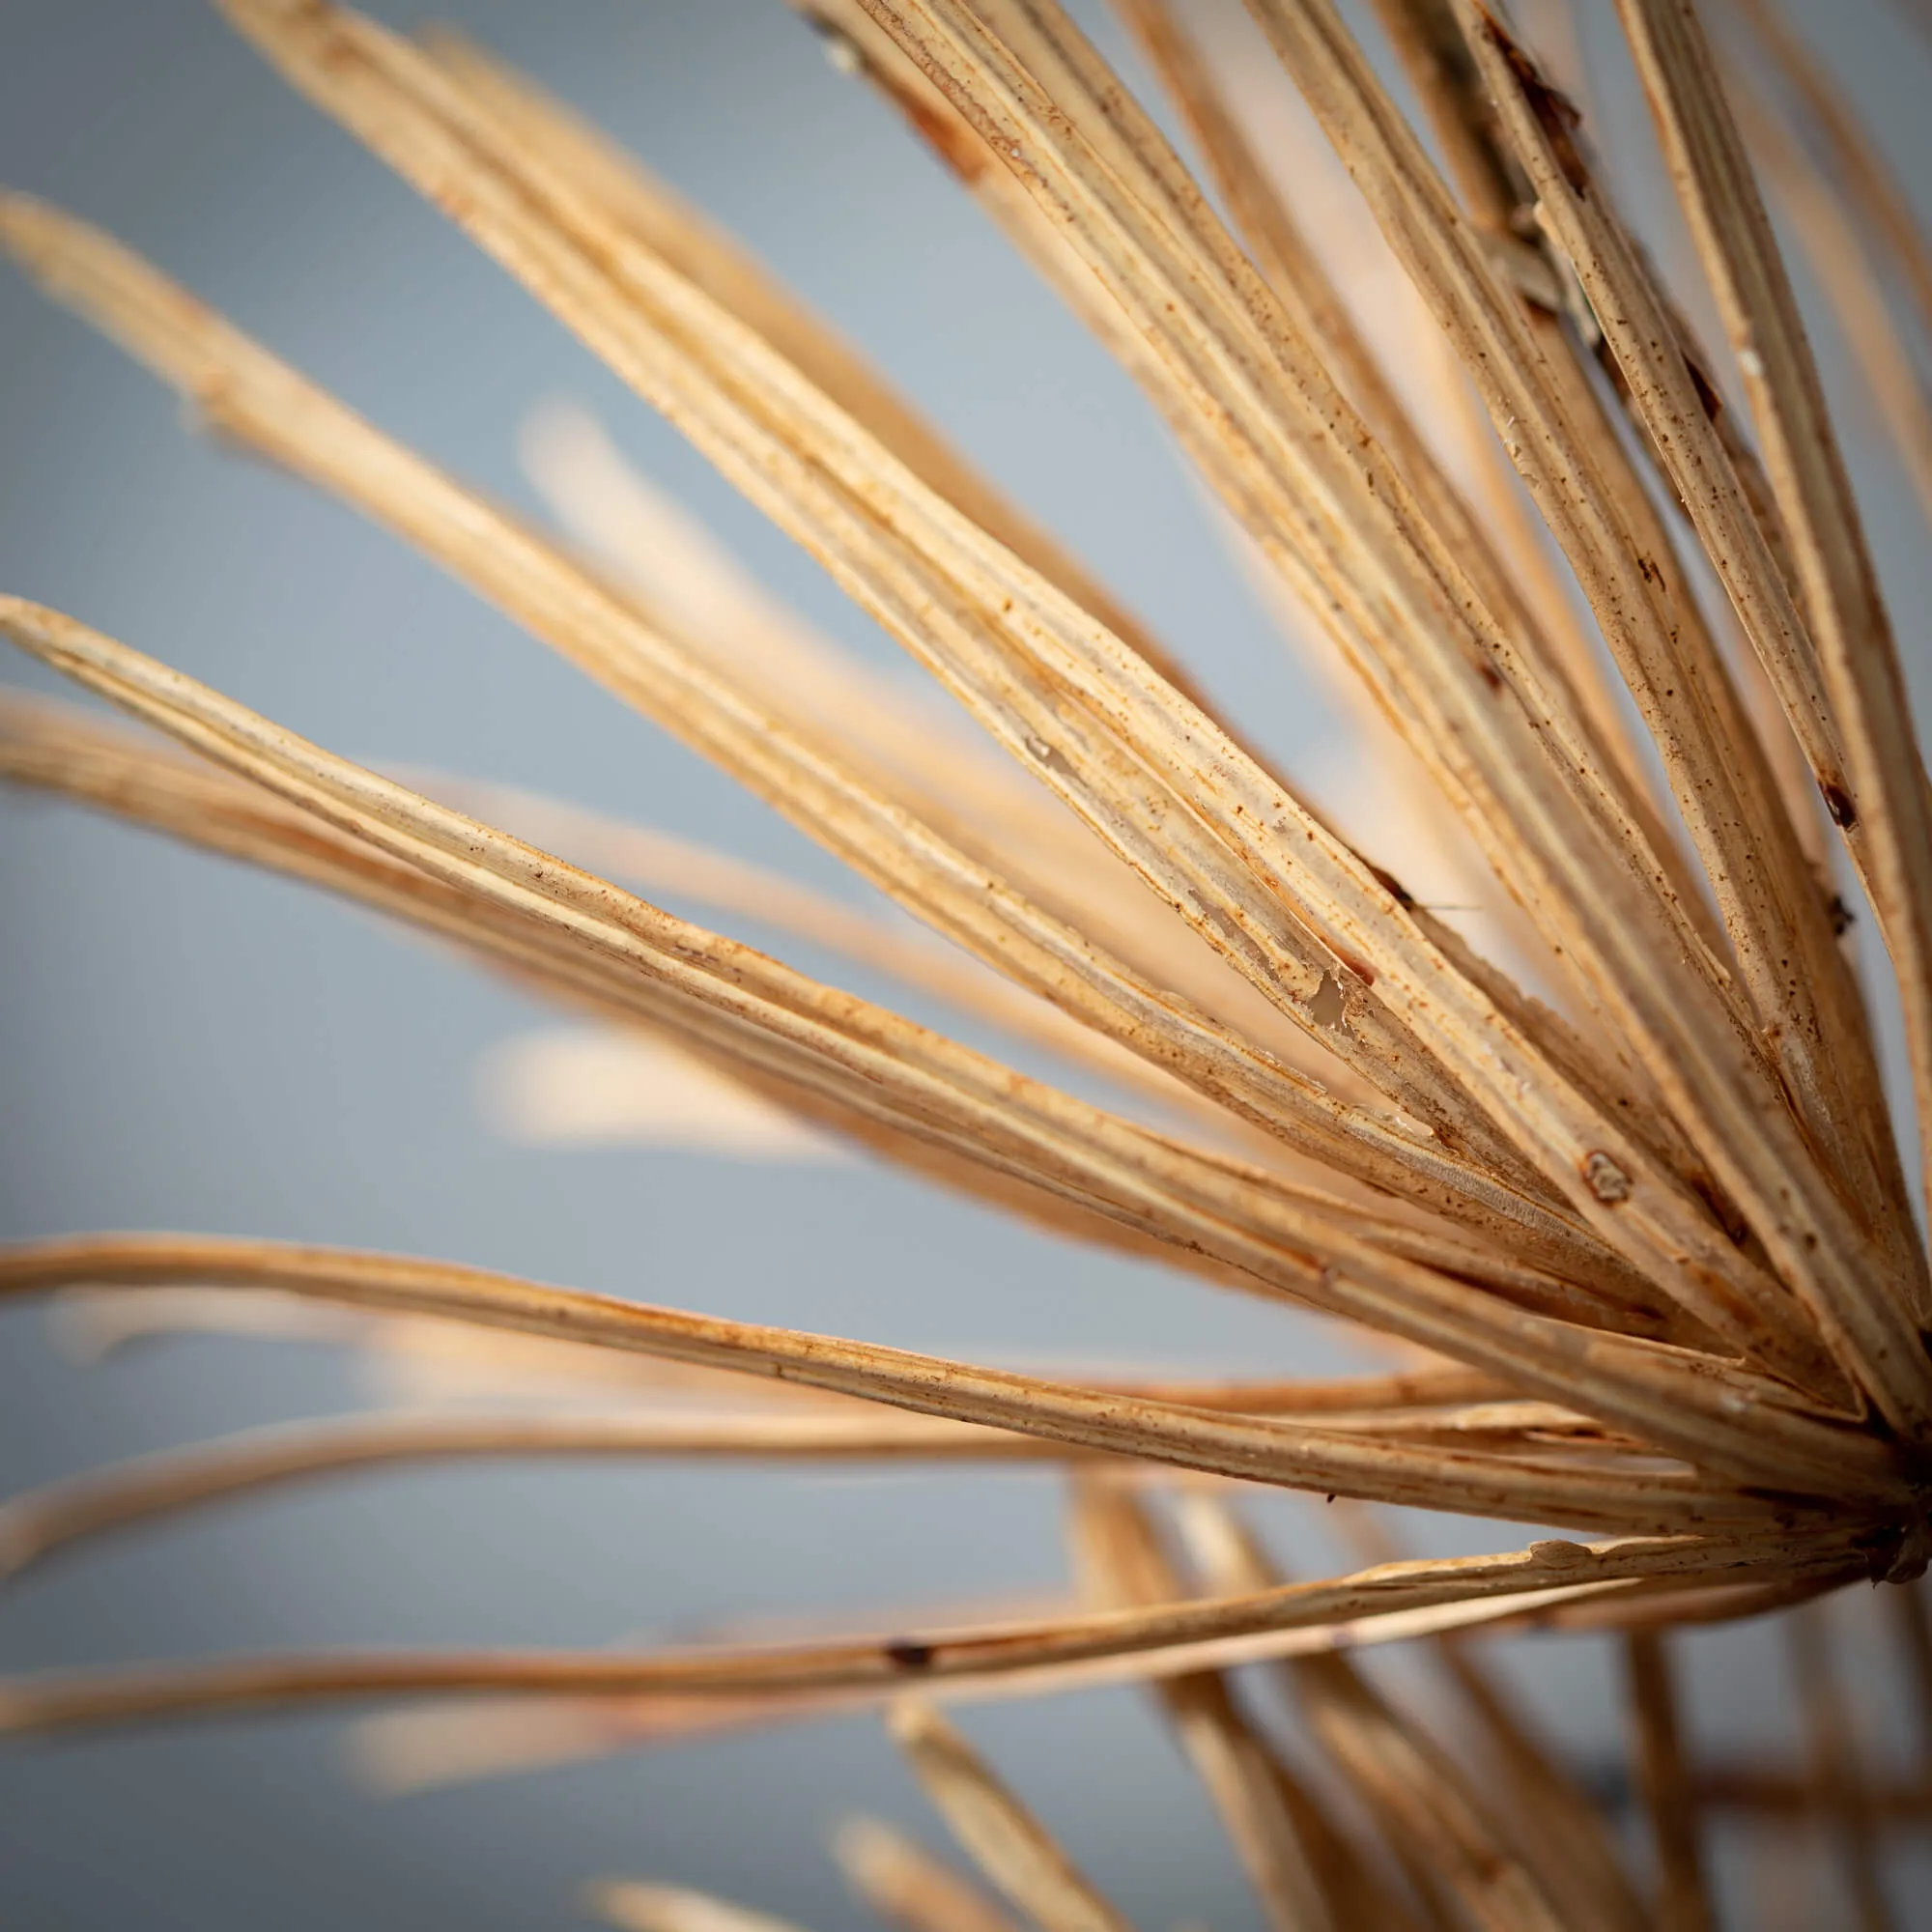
(185, 1045)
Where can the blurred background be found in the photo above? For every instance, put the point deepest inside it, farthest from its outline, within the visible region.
(187, 1044)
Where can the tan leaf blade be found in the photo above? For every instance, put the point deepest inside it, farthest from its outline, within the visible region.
(1424, 1801)
(38, 1523)
(1124, 1646)
(1400, 183)
(1838, 1768)
(438, 137)
(1012, 1847)
(906, 1886)
(1888, 798)
(1684, 1894)
(1850, 274)
(1024, 119)
(883, 1069)
(1295, 273)
(1227, 1442)
(1563, 1833)
(664, 1908)
(259, 401)
(1830, 1061)
(1117, 1548)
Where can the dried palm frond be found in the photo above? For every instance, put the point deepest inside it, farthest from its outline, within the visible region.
(1626, 1202)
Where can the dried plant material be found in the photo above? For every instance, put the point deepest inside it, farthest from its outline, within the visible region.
(1349, 1872)
(788, 1015)
(1609, 1176)
(656, 862)
(1624, 1220)
(452, 1741)
(458, 1740)
(1885, 801)
(1222, 1442)
(906, 1886)
(1427, 369)
(1850, 277)
(1619, 1213)
(1426, 1804)
(1000, 152)
(1440, 64)
(628, 523)
(1684, 1902)
(1117, 1548)
(1644, 1608)
(1704, 758)
(1837, 1087)
(38, 1523)
(424, 1363)
(1723, 1093)
(34, 1525)
(1368, 786)
(258, 400)
(386, 96)
(1554, 1823)
(1838, 1778)
(1782, 1793)
(1296, 275)
(647, 209)
(53, 748)
(1060, 1653)
(922, 751)
(1563, 1835)
(328, 441)
(1010, 1845)
(91, 1324)
(664, 1908)
(397, 1753)
(433, 1360)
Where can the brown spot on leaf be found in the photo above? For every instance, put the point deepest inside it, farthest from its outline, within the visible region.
(1838, 803)
(1712, 403)
(1556, 112)
(1606, 1181)
(1392, 885)
(1327, 1008)
(1049, 755)
(1724, 1208)
(908, 1653)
